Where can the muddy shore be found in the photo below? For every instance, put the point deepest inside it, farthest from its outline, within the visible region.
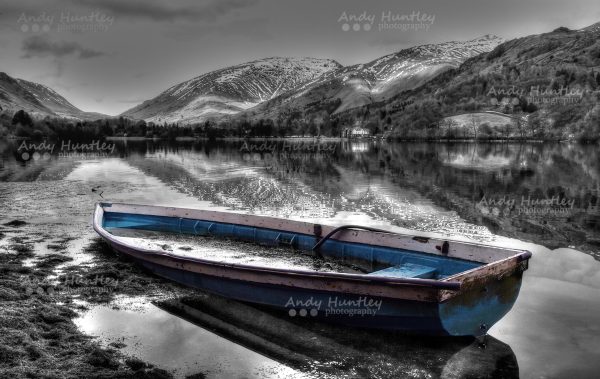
(38, 338)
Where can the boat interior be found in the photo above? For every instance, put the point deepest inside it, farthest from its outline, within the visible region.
(218, 241)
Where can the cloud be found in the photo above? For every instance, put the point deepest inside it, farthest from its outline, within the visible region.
(566, 265)
(252, 28)
(166, 11)
(38, 46)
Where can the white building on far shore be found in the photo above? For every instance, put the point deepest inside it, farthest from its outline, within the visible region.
(356, 132)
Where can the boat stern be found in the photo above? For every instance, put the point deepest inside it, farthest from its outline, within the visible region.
(486, 295)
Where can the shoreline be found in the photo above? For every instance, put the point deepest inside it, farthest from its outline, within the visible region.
(389, 139)
(343, 139)
(37, 316)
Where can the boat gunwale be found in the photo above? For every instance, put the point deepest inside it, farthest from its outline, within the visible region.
(446, 284)
(423, 244)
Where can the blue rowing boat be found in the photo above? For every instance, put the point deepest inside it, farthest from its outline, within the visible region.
(373, 278)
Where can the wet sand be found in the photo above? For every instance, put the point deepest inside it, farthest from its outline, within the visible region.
(38, 337)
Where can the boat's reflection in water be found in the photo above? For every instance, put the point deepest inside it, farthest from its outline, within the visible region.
(325, 350)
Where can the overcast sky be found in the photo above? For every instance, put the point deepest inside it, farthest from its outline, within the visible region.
(109, 55)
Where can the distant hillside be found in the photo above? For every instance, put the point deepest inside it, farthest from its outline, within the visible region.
(37, 99)
(551, 81)
(230, 90)
(353, 86)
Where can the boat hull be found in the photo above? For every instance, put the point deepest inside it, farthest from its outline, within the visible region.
(469, 314)
(462, 305)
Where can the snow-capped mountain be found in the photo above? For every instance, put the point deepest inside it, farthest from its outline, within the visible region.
(230, 90)
(37, 100)
(376, 80)
(407, 68)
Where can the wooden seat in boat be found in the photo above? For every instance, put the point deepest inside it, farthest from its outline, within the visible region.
(407, 270)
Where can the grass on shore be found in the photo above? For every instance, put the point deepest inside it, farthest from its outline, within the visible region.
(38, 338)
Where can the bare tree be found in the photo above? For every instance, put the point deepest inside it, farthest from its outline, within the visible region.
(520, 127)
(474, 125)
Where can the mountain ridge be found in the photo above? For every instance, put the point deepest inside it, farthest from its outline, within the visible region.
(245, 87)
(229, 90)
(529, 77)
(38, 100)
(362, 84)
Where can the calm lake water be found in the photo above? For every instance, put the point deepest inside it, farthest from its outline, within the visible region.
(535, 196)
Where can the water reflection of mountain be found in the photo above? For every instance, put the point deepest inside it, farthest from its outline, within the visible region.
(225, 182)
(542, 192)
(547, 193)
(301, 182)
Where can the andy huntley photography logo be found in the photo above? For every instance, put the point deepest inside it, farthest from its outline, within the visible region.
(386, 20)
